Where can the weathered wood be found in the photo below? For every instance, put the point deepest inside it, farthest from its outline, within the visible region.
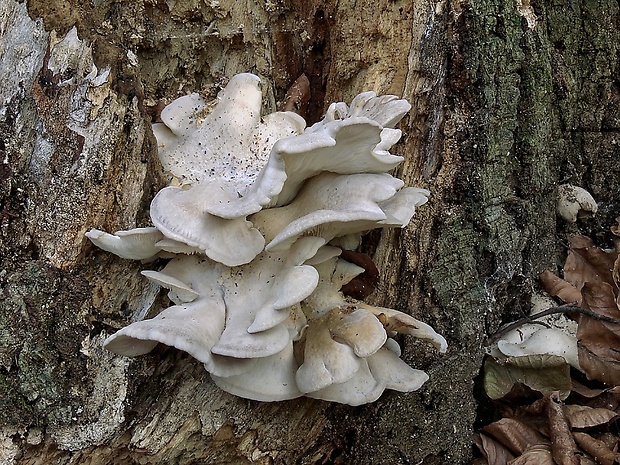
(509, 100)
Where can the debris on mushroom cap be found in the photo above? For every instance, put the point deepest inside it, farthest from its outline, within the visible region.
(573, 202)
(253, 230)
(228, 142)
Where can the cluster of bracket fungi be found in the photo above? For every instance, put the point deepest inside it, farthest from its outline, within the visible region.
(254, 222)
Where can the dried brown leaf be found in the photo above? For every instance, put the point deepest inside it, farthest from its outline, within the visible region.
(582, 416)
(615, 229)
(559, 288)
(608, 399)
(599, 297)
(587, 263)
(493, 451)
(298, 96)
(599, 341)
(536, 455)
(515, 435)
(610, 440)
(600, 368)
(597, 449)
(585, 391)
(543, 373)
(616, 232)
(563, 445)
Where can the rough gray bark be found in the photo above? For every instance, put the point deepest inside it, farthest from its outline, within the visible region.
(510, 99)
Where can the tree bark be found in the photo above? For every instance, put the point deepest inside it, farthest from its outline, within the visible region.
(510, 99)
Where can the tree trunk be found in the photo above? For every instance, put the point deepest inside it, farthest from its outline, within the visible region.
(510, 99)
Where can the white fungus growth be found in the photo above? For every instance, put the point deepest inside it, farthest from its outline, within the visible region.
(574, 202)
(260, 211)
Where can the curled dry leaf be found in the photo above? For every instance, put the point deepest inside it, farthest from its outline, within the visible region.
(563, 445)
(599, 354)
(558, 287)
(597, 449)
(582, 416)
(536, 455)
(494, 452)
(515, 435)
(543, 373)
(587, 263)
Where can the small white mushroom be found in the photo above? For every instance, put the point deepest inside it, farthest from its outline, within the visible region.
(355, 145)
(574, 202)
(179, 292)
(334, 346)
(533, 339)
(259, 297)
(134, 244)
(393, 320)
(227, 143)
(387, 110)
(193, 327)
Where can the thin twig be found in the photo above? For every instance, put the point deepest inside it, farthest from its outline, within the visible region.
(566, 308)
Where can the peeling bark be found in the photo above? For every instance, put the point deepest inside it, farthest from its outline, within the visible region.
(510, 99)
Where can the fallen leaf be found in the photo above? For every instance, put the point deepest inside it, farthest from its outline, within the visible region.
(515, 435)
(600, 298)
(581, 416)
(543, 373)
(559, 288)
(563, 447)
(600, 368)
(536, 455)
(493, 451)
(597, 449)
(587, 263)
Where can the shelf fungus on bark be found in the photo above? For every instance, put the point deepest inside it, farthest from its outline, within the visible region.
(259, 210)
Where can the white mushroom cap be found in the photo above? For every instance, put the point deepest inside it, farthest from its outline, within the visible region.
(380, 371)
(328, 206)
(179, 293)
(334, 345)
(229, 145)
(180, 214)
(195, 145)
(387, 110)
(574, 201)
(259, 298)
(533, 339)
(194, 328)
(134, 244)
(393, 320)
(269, 379)
(349, 146)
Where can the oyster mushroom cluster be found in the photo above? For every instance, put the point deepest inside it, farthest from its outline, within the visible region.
(259, 210)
